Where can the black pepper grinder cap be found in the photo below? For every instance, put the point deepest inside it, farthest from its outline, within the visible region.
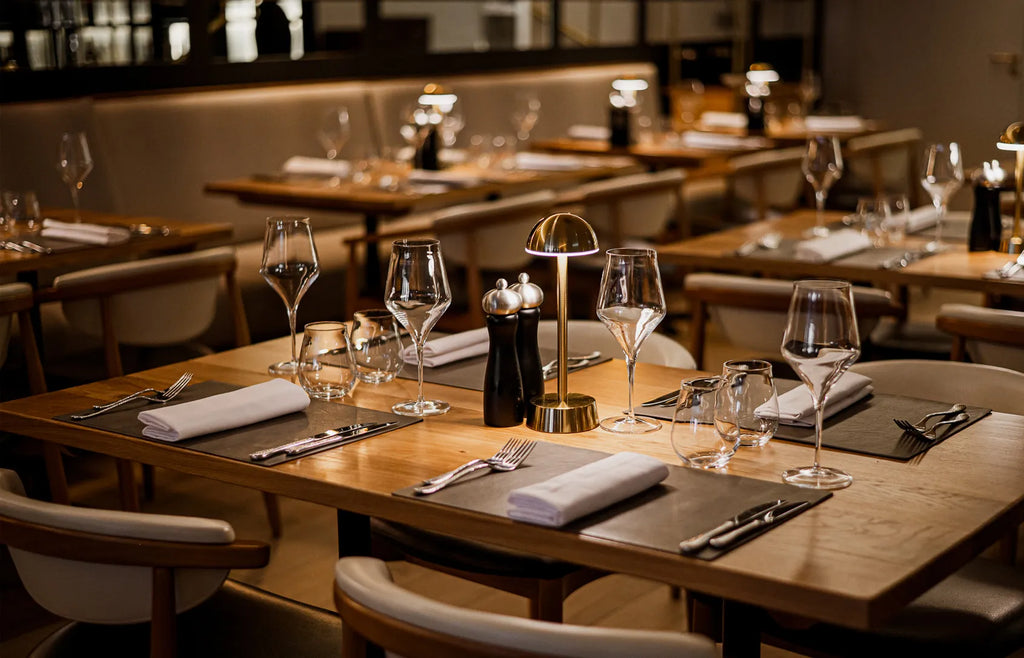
(502, 300)
(532, 294)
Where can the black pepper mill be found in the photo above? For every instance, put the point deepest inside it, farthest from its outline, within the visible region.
(527, 350)
(986, 230)
(503, 388)
(426, 156)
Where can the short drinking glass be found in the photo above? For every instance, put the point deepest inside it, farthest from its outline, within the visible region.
(377, 345)
(693, 432)
(326, 368)
(747, 407)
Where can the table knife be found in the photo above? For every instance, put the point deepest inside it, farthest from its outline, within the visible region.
(270, 452)
(697, 542)
(341, 439)
(771, 517)
(661, 400)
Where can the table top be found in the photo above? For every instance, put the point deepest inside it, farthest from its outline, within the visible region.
(660, 153)
(181, 235)
(862, 554)
(956, 268)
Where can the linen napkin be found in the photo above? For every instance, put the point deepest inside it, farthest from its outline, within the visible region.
(226, 411)
(548, 161)
(836, 245)
(827, 123)
(922, 218)
(451, 348)
(597, 133)
(446, 177)
(715, 119)
(705, 140)
(566, 497)
(300, 164)
(797, 408)
(85, 233)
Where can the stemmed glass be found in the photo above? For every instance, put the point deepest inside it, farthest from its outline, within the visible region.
(334, 131)
(525, 115)
(631, 304)
(417, 293)
(820, 342)
(75, 164)
(290, 266)
(822, 166)
(942, 174)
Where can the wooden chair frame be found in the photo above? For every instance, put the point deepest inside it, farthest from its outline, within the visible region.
(758, 172)
(964, 330)
(615, 199)
(874, 152)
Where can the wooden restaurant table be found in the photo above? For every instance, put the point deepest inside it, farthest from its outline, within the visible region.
(659, 154)
(857, 557)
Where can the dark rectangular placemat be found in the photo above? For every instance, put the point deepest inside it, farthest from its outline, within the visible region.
(469, 373)
(686, 503)
(238, 443)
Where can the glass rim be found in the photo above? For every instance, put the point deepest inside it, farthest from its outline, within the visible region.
(632, 251)
(708, 382)
(748, 365)
(416, 242)
(294, 219)
(324, 325)
(372, 313)
(822, 284)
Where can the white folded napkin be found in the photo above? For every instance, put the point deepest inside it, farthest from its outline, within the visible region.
(548, 161)
(921, 218)
(226, 411)
(450, 349)
(827, 123)
(715, 119)
(445, 177)
(797, 408)
(85, 233)
(300, 164)
(836, 245)
(586, 489)
(580, 131)
(705, 140)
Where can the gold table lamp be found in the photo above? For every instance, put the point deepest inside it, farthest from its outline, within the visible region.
(1012, 139)
(562, 235)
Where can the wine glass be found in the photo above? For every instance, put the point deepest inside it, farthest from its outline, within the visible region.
(525, 115)
(631, 304)
(820, 342)
(822, 166)
(75, 164)
(290, 266)
(417, 293)
(942, 174)
(334, 131)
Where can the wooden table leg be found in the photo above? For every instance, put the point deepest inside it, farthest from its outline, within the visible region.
(372, 284)
(741, 630)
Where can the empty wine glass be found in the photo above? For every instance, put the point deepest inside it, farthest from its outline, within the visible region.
(631, 304)
(334, 131)
(821, 342)
(822, 166)
(75, 164)
(417, 293)
(525, 115)
(942, 174)
(290, 266)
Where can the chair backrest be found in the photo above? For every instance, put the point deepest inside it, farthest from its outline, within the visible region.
(752, 312)
(374, 608)
(637, 206)
(887, 159)
(16, 299)
(987, 335)
(89, 564)
(999, 389)
(589, 335)
(767, 181)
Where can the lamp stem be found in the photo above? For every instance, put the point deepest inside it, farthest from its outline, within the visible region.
(1015, 237)
(563, 329)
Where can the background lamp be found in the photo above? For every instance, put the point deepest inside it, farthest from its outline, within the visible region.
(1012, 139)
(562, 235)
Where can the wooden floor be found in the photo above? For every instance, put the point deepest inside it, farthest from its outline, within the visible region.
(301, 562)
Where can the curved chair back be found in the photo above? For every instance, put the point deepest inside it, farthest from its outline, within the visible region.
(987, 335)
(887, 159)
(766, 181)
(589, 335)
(637, 207)
(373, 608)
(999, 389)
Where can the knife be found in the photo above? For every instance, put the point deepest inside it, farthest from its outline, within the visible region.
(667, 398)
(771, 517)
(697, 542)
(270, 452)
(341, 439)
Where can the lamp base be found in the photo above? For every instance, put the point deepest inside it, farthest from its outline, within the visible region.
(577, 414)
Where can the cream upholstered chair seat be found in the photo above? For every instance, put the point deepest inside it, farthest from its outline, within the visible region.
(375, 609)
(588, 335)
(986, 335)
(630, 210)
(765, 183)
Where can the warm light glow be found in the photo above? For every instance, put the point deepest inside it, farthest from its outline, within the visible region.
(629, 84)
(570, 254)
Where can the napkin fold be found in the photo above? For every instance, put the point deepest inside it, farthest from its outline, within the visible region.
(836, 245)
(827, 123)
(226, 411)
(450, 349)
(921, 218)
(548, 161)
(705, 140)
(797, 408)
(444, 177)
(576, 493)
(85, 233)
(580, 131)
(716, 119)
(300, 164)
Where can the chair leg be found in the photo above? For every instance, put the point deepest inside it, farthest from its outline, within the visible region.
(127, 487)
(55, 473)
(546, 604)
(273, 507)
(148, 482)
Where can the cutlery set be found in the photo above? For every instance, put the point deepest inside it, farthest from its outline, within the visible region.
(333, 438)
(510, 457)
(574, 362)
(158, 397)
(768, 241)
(746, 522)
(921, 430)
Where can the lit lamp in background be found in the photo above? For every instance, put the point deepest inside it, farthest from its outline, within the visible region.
(434, 105)
(562, 235)
(757, 90)
(1013, 140)
(624, 100)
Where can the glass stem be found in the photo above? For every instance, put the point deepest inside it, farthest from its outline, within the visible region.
(819, 421)
(940, 215)
(74, 200)
(630, 368)
(292, 312)
(419, 374)
(819, 204)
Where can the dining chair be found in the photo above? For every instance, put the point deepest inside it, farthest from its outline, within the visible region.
(765, 183)
(751, 312)
(984, 335)
(375, 610)
(589, 335)
(152, 302)
(135, 584)
(886, 161)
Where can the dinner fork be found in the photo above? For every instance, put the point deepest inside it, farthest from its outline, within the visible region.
(160, 397)
(922, 426)
(930, 434)
(187, 376)
(510, 446)
(513, 461)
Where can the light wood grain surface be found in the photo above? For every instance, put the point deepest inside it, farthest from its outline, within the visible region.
(859, 556)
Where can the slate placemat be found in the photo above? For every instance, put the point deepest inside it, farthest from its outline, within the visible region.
(469, 373)
(238, 443)
(688, 502)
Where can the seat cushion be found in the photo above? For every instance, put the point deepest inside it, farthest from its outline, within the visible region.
(239, 620)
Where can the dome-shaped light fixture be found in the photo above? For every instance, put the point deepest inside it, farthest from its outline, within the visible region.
(1012, 139)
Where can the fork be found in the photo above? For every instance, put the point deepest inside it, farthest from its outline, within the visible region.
(499, 457)
(930, 434)
(160, 397)
(666, 400)
(1011, 268)
(186, 376)
(921, 425)
(572, 360)
(513, 461)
